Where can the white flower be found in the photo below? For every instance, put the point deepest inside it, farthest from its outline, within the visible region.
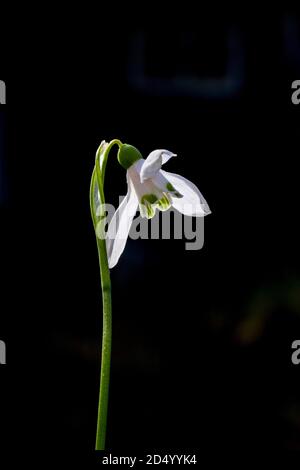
(151, 188)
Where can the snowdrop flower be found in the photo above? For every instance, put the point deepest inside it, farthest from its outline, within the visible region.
(149, 188)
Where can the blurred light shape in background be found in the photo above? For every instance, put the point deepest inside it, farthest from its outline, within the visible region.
(292, 41)
(186, 67)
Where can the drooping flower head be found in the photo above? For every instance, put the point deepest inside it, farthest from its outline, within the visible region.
(149, 188)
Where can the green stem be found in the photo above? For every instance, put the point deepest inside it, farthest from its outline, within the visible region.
(98, 177)
(106, 346)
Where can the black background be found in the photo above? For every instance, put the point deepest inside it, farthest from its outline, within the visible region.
(201, 357)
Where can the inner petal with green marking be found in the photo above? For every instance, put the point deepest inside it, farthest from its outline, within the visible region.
(148, 205)
(152, 193)
(164, 203)
(150, 202)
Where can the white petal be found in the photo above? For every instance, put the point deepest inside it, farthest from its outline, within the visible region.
(192, 203)
(154, 162)
(160, 181)
(148, 188)
(119, 226)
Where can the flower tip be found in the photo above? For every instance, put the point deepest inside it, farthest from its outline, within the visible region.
(206, 209)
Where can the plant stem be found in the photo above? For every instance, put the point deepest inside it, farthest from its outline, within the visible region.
(106, 345)
(98, 178)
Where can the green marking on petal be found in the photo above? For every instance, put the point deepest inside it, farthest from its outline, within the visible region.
(150, 212)
(173, 191)
(177, 194)
(164, 203)
(147, 205)
(147, 210)
(151, 198)
(170, 187)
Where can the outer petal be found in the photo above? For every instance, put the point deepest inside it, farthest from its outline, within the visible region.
(192, 203)
(119, 226)
(154, 162)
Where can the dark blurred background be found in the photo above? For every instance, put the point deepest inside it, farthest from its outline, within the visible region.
(202, 340)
